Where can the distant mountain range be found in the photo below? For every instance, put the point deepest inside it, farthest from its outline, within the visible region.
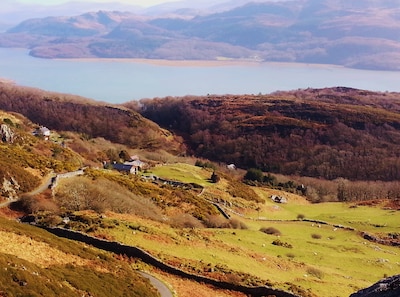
(359, 34)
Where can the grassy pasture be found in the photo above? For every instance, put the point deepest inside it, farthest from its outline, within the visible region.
(336, 259)
(321, 258)
(315, 258)
(183, 172)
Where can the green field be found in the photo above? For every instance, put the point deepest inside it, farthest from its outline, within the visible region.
(321, 256)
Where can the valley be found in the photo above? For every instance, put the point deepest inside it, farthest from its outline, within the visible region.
(195, 216)
(223, 148)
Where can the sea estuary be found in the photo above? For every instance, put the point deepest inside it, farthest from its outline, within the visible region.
(122, 80)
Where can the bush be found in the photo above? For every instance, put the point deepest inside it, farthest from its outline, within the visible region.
(26, 204)
(238, 189)
(236, 224)
(82, 193)
(271, 231)
(301, 217)
(316, 236)
(315, 272)
(290, 255)
(185, 221)
(217, 221)
(254, 174)
(215, 177)
(210, 165)
(282, 244)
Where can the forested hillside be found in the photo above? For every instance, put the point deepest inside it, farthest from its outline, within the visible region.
(329, 133)
(92, 119)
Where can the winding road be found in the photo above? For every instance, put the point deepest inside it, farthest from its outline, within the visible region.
(160, 286)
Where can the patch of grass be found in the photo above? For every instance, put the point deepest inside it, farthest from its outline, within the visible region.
(184, 173)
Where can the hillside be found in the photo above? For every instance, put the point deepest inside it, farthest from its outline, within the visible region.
(224, 231)
(36, 263)
(26, 159)
(329, 133)
(331, 32)
(88, 118)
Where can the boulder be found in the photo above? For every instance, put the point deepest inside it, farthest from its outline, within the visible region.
(388, 287)
(6, 134)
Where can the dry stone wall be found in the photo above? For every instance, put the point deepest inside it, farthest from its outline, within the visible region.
(135, 252)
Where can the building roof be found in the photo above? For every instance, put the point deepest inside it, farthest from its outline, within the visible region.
(122, 167)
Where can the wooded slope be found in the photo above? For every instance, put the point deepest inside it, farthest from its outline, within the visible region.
(329, 133)
(92, 119)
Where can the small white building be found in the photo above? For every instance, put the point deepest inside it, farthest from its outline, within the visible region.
(42, 132)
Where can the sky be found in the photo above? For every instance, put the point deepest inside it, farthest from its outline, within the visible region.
(143, 3)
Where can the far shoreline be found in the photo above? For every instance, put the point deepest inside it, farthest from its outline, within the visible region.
(199, 63)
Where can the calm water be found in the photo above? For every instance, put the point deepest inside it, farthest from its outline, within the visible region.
(118, 82)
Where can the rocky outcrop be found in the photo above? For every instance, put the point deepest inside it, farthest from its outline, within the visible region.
(9, 188)
(6, 134)
(388, 287)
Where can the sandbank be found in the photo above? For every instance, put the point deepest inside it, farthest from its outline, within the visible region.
(201, 63)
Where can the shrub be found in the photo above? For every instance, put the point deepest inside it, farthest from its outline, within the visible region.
(236, 224)
(315, 272)
(278, 242)
(301, 216)
(254, 174)
(270, 231)
(290, 255)
(210, 165)
(316, 236)
(185, 221)
(8, 122)
(81, 193)
(217, 221)
(215, 177)
(238, 189)
(27, 204)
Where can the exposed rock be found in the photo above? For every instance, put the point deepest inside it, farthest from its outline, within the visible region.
(6, 134)
(10, 188)
(388, 287)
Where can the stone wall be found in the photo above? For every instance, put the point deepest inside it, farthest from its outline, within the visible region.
(135, 252)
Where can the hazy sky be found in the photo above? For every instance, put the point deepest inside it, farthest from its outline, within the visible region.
(133, 2)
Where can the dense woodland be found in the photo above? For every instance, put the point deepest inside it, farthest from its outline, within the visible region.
(324, 133)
